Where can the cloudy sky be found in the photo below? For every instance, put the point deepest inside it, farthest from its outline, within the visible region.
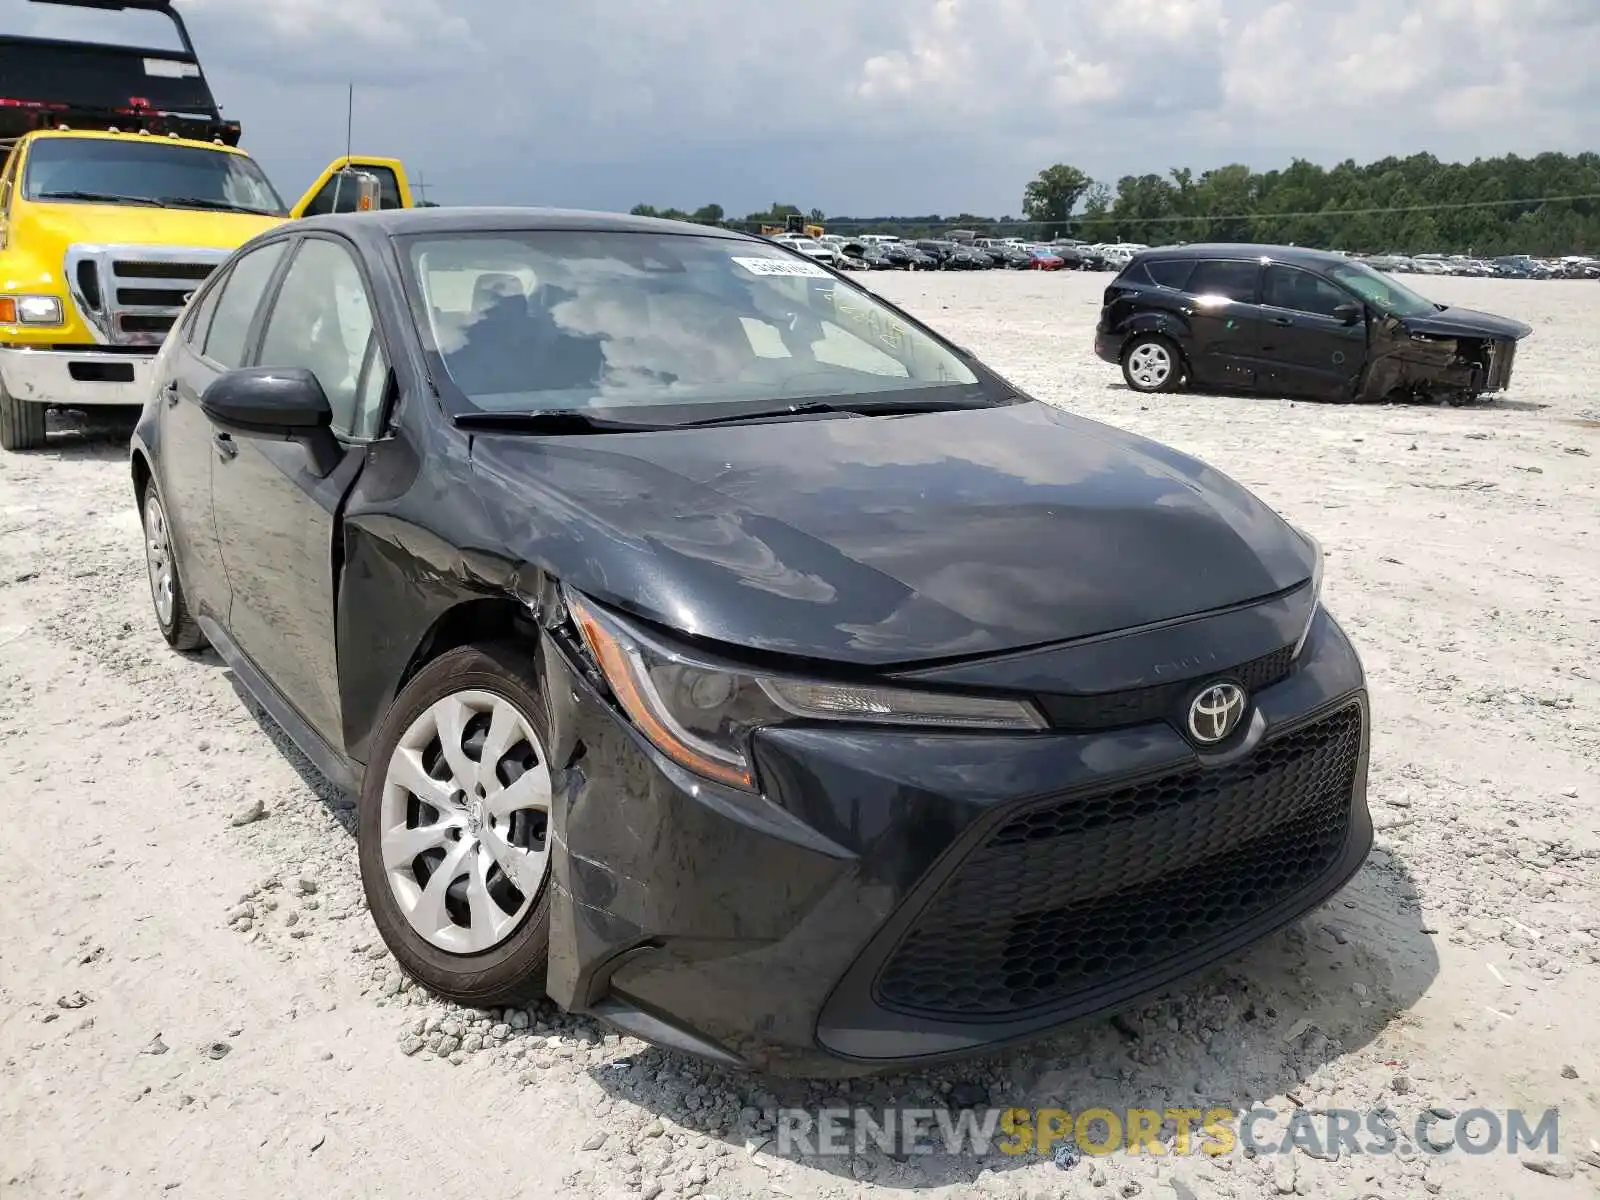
(873, 106)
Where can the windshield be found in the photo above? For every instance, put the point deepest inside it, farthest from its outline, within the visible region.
(598, 320)
(1380, 291)
(138, 169)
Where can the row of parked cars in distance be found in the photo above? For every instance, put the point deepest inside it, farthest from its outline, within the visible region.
(884, 252)
(1508, 266)
(968, 252)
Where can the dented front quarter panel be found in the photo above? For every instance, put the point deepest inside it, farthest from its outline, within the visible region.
(423, 537)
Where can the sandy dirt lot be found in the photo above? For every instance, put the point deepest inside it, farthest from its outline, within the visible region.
(194, 1003)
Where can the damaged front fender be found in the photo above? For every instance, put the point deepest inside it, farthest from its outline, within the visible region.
(1454, 356)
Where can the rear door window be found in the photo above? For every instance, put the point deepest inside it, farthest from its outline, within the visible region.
(1221, 277)
(1170, 272)
(242, 293)
(198, 322)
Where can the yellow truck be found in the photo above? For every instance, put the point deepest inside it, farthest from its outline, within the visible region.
(122, 189)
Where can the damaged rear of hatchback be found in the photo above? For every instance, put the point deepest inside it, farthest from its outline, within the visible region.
(1283, 320)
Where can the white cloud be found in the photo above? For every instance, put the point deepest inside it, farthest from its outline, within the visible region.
(909, 105)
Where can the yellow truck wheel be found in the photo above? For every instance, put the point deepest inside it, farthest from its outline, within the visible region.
(21, 423)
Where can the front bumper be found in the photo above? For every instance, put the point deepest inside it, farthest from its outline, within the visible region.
(76, 378)
(878, 908)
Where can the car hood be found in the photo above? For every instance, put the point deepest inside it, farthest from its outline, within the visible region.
(888, 540)
(1466, 322)
(131, 224)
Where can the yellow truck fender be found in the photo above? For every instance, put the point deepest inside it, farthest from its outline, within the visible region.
(320, 196)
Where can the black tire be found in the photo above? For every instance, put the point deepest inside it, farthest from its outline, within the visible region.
(1142, 357)
(180, 629)
(513, 970)
(21, 423)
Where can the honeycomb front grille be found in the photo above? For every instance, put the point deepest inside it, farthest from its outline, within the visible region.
(1140, 706)
(1083, 893)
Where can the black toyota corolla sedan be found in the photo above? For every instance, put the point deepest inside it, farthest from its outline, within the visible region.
(722, 652)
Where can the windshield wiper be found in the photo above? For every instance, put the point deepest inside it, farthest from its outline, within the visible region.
(551, 420)
(103, 198)
(218, 205)
(856, 406)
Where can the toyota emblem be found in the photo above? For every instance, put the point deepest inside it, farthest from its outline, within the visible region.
(1216, 712)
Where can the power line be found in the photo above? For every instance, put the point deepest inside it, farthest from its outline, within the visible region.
(1180, 218)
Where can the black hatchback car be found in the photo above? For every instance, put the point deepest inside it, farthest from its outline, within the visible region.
(721, 652)
(1282, 320)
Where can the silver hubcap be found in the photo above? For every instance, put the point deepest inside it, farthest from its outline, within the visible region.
(158, 559)
(465, 821)
(1150, 364)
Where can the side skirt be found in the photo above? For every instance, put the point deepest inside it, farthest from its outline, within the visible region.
(338, 769)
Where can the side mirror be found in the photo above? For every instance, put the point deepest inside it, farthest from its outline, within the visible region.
(276, 403)
(1348, 313)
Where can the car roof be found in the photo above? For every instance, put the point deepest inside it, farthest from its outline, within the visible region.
(400, 222)
(1300, 256)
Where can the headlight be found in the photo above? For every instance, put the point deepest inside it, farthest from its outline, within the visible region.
(30, 310)
(701, 714)
(1316, 587)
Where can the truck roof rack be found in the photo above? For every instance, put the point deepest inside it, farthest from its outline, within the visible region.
(46, 83)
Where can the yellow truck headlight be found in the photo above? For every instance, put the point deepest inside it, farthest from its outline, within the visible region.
(30, 310)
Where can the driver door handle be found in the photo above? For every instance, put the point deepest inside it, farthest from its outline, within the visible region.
(226, 446)
(169, 391)
(1283, 320)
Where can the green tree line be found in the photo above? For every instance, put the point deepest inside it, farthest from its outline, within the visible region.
(1548, 204)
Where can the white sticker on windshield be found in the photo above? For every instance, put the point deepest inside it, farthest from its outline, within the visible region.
(167, 68)
(782, 266)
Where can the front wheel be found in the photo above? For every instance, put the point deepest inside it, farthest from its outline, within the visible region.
(1151, 363)
(21, 423)
(454, 827)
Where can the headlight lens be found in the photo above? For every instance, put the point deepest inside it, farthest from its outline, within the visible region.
(1316, 588)
(30, 310)
(701, 714)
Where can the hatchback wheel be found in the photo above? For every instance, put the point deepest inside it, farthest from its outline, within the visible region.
(454, 827)
(1151, 363)
(178, 626)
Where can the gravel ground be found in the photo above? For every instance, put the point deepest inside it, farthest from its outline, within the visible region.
(193, 1000)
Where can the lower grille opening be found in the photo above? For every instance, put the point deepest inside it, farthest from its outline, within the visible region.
(99, 372)
(1070, 897)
